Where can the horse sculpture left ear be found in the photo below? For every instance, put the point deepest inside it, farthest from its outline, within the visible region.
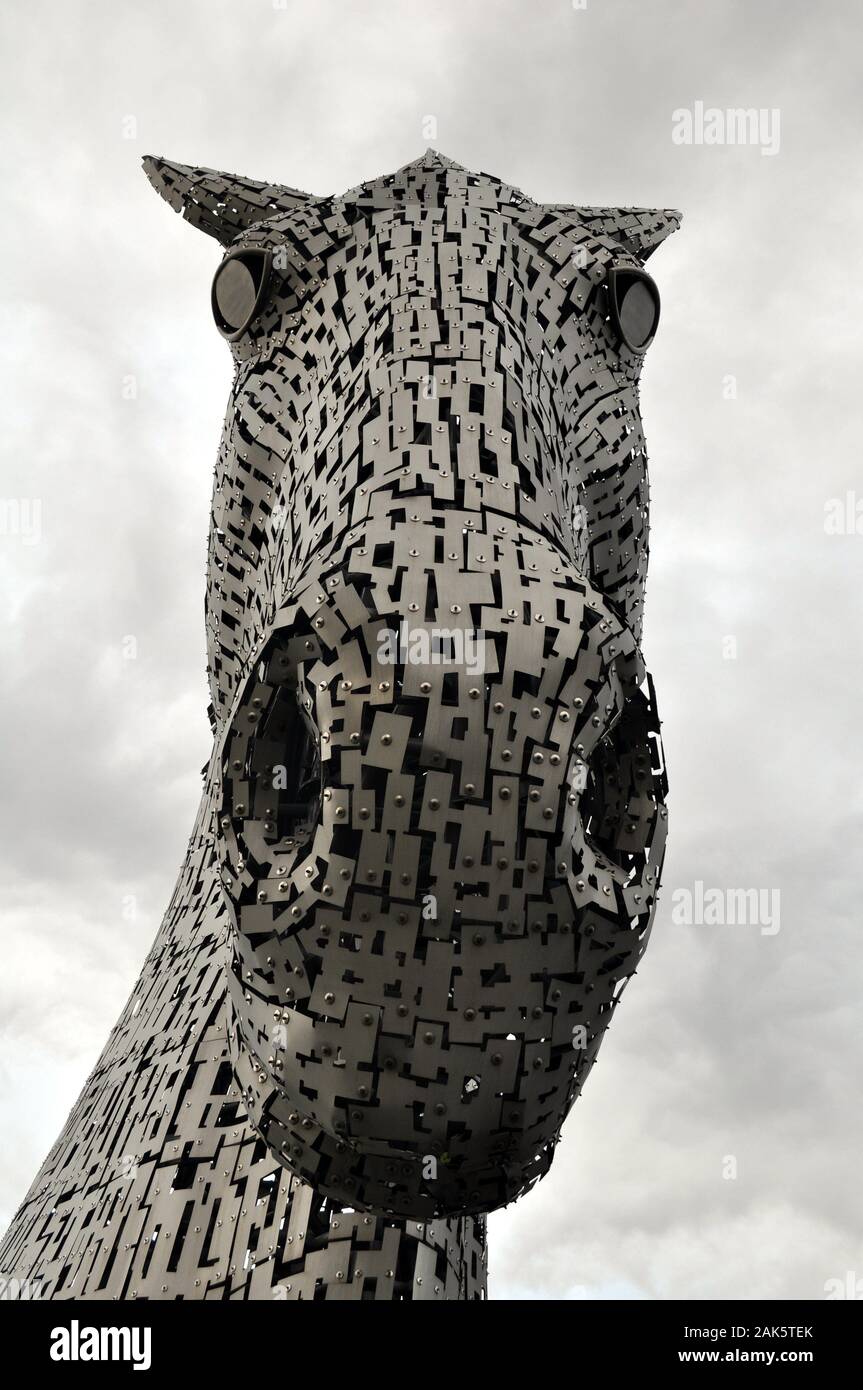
(222, 205)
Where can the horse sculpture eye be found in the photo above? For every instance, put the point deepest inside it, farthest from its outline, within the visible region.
(634, 306)
(239, 289)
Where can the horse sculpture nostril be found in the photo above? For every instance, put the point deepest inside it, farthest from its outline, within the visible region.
(296, 780)
(618, 802)
(272, 772)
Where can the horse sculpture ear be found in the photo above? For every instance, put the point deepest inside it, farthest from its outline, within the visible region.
(639, 230)
(222, 205)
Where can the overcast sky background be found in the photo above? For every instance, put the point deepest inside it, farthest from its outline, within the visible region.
(731, 1042)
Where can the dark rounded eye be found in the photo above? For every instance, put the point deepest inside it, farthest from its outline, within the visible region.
(634, 306)
(239, 289)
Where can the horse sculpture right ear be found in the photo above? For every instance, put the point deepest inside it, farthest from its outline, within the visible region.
(637, 230)
(222, 205)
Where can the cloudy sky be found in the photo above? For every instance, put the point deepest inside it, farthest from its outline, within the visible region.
(716, 1150)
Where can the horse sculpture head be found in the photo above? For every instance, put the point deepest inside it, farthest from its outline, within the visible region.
(438, 783)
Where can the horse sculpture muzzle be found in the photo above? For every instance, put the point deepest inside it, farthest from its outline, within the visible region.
(441, 792)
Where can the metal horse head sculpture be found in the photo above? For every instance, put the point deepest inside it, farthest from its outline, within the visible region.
(440, 790)
(429, 844)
